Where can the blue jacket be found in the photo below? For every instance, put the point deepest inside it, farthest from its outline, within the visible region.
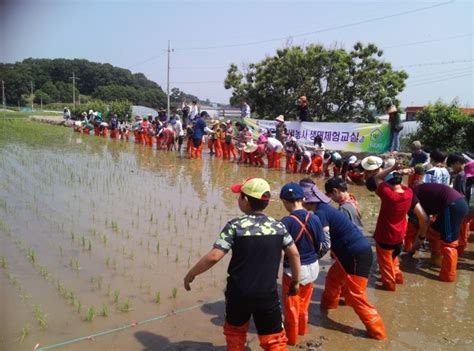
(198, 128)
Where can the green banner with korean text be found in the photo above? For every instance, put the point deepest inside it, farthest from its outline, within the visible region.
(356, 137)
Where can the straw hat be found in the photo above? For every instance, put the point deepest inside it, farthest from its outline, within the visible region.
(391, 109)
(280, 118)
(371, 163)
(250, 147)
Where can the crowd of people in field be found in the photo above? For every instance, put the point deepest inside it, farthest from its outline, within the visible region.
(433, 208)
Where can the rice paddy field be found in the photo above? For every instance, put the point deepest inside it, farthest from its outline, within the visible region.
(96, 236)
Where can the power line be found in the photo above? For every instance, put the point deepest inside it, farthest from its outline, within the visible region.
(433, 63)
(428, 41)
(147, 60)
(441, 80)
(452, 71)
(374, 19)
(441, 76)
(200, 82)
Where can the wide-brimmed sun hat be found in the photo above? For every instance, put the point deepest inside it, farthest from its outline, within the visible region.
(312, 193)
(250, 147)
(371, 163)
(280, 118)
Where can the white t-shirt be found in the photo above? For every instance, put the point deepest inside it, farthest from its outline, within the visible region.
(274, 144)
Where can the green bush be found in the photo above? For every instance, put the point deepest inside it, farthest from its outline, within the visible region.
(445, 127)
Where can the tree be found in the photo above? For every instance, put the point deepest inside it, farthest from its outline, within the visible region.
(445, 127)
(340, 85)
(41, 96)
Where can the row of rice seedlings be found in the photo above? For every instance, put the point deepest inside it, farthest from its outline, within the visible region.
(40, 316)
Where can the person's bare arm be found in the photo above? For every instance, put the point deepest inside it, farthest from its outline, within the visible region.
(294, 260)
(205, 263)
(423, 222)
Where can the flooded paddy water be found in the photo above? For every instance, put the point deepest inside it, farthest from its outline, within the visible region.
(97, 235)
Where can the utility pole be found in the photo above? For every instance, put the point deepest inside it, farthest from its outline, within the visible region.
(3, 95)
(168, 83)
(32, 97)
(74, 78)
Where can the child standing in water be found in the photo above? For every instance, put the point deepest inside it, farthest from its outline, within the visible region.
(256, 241)
(307, 232)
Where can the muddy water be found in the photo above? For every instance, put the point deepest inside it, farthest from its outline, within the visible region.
(110, 227)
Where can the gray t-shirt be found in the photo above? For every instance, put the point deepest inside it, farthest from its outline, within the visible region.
(351, 212)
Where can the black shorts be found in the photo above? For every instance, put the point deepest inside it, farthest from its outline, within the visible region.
(180, 140)
(397, 248)
(359, 264)
(266, 313)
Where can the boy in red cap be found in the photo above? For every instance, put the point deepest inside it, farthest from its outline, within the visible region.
(307, 232)
(256, 241)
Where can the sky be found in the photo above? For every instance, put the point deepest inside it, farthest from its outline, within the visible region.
(433, 41)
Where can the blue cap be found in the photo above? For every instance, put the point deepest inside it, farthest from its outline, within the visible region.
(390, 176)
(291, 192)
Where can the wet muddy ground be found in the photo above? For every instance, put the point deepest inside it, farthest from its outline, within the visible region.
(97, 234)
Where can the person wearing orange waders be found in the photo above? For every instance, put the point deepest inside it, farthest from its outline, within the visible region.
(307, 232)
(229, 140)
(222, 143)
(348, 276)
(457, 163)
(396, 200)
(450, 208)
(219, 135)
(114, 122)
(137, 130)
(274, 149)
(199, 130)
(146, 137)
(256, 241)
(87, 128)
(291, 149)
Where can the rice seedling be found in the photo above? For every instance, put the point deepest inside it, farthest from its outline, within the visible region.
(126, 306)
(61, 251)
(104, 240)
(31, 254)
(40, 316)
(24, 296)
(104, 311)
(167, 252)
(158, 247)
(83, 240)
(176, 259)
(3, 262)
(116, 296)
(107, 261)
(109, 291)
(115, 227)
(174, 293)
(25, 330)
(73, 236)
(157, 297)
(74, 264)
(90, 314)
(151, 218)
(89, 246)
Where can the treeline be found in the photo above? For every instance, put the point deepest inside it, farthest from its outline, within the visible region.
(52, 82)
